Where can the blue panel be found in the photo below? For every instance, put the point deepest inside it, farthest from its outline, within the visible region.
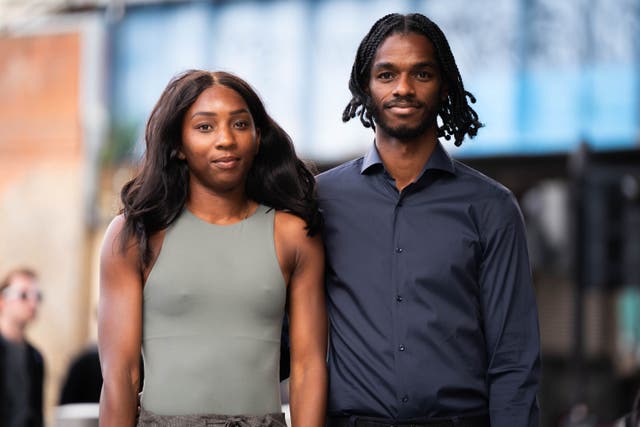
(615, 113)
(542, 85)
(151, 45)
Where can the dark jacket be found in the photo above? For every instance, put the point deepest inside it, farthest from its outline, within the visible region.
(84, 379)
(35, 365)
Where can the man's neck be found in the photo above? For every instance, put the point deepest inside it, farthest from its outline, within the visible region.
(405, 159)
(11, 332)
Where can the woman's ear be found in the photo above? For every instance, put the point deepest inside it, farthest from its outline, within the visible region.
(177, 153)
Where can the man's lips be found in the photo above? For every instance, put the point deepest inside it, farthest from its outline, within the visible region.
(403, 105)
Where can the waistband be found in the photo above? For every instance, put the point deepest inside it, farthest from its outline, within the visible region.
(365, 421)
(151, 419)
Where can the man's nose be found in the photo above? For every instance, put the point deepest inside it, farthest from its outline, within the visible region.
(404, 86)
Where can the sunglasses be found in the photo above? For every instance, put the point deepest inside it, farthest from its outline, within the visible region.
(23, 295)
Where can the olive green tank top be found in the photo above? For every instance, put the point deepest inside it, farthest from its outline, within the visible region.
(212, 317)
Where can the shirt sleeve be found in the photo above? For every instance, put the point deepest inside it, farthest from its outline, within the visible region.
(510, 318)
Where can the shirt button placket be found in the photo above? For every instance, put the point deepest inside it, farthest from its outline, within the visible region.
(399, 250)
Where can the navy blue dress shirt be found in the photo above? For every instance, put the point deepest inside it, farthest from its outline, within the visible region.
(431, 306)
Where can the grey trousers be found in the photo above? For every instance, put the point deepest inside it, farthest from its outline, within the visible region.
(149, 419)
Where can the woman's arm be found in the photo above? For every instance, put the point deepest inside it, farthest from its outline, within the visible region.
(119, 328)
(308, 321)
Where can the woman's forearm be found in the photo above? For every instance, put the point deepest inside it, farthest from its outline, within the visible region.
(118, 403)
(308, 395)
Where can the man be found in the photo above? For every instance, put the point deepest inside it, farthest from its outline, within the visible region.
(21, 365)
(433, 315)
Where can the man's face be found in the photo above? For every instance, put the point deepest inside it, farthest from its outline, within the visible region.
(20, 300)
(406, 86)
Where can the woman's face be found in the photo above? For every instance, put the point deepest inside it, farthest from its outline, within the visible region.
(219, 140)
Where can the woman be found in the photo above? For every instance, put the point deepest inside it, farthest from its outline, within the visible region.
(216, 234)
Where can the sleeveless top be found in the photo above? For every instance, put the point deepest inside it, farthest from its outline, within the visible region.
(212, 316)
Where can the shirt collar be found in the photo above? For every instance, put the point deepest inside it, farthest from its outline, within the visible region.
(371, 159)
(439, 160)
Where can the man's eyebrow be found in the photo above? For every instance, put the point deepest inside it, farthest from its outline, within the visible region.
(213, 114)
(426, 64)
(417, 65)
(383, 65)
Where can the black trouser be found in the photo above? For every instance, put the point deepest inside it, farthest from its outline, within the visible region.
(364, 421)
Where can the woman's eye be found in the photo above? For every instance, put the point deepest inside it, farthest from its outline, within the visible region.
(241, 125)
(204, 127)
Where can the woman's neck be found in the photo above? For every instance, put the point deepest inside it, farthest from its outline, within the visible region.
(220, 208)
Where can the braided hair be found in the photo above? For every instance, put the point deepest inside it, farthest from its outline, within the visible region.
(457, 116)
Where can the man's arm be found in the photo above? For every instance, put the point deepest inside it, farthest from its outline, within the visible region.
(510, 319)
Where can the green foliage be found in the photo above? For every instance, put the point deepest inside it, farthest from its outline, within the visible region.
(121, 145)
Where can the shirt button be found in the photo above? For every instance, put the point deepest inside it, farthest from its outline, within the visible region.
(399, 298)
(401, 348)
(399, 250)
(405, 399)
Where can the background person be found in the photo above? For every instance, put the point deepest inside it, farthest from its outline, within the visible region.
(21, 364)
(83, 381)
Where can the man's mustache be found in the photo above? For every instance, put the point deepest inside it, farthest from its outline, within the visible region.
(403, 102)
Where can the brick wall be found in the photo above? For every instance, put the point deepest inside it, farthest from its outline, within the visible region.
(41, 189)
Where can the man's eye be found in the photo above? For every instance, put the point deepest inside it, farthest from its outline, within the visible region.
(385, 76)
(424, 75)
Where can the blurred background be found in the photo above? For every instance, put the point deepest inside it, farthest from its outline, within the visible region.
(558, 88)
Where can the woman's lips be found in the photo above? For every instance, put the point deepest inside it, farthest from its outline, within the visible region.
(226, 162)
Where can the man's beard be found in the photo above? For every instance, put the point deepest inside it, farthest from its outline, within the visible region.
(402, 132)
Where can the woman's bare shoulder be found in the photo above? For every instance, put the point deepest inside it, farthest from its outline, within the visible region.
(113, 245)
(292, 229)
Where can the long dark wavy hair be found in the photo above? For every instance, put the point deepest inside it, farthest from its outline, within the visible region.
(157, 195)
(457, 116)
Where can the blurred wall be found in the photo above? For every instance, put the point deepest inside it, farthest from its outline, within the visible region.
(42, 188)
